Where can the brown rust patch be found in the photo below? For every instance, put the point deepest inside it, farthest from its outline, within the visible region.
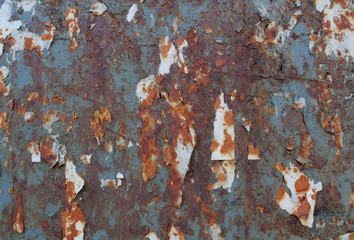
(303, 209)
(148, 151)
(228, 144)
(305, 146)
(229, 118)
(100, 115)
(165, 47)
(46, 149)
(214, 145)
(70, 220)
(29, 44)
(18, 225)
(73, 26)
(33, 96)
(280, 194)
(302, 184)
(253, 152)
(3, 122)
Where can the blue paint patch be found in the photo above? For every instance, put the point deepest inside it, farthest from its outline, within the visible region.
(24, 77)
(6, 184)
(300, 52)
(51, 209)
(34, 233)
(100, 235)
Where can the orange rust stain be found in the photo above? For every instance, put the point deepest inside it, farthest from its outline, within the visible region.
(202, 79)
(183, 119)
(209, 214)
(29, 44)
(229, 118)
(18, 224)
(220, 61)
(100, 115)
(165, 47)
(217, 104)
(303, 209)
(33, 96)
(72, 215)
(3, 122)
(214, 145)
(228, 144)
(342, 23)
(305, 146)
(44, 224)
(108, 147)
(207, 29)
(70, 191)
(271, 111)
(21, 109)
(46, 149)
(271, 34)
(58, 100)
(220, 175)
(233, 95)
(148, 151)
(176, 235)
(47, 37)
(247, 123)
(253, 152)
(260, 209)
(112, 184)
(280, 168)
(11, 191)
(280, 194)
(73, 26)
(290, 146)
(302, 184)
(45, 100)
(11, 41)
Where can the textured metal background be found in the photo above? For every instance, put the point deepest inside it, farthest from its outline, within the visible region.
(69, 84)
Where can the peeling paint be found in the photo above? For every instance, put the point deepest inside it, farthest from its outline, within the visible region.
(302, 201)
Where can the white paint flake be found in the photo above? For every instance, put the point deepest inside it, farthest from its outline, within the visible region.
(151, 236)
(321, 4)
(274, 28)
(113, 183)
(225, 174)
(132, 11)
(167, 55)
(339, 41)
(6, 26)
(33, 148)
(97, 8)
(215, 232)
(143, 87)
(28, 116)
(303, 191)
(300, 103)
(73, 179)
(86, 159)
(184, 153)
(223, 145)
(174, 233)
(26, 40)
(28, 5)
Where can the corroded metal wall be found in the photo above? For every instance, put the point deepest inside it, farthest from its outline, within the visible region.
(176, 119)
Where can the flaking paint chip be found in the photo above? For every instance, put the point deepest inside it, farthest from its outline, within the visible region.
(253, 152)
(223, 144)
(303, 192)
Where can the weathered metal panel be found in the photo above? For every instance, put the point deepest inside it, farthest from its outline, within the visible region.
(176, 119)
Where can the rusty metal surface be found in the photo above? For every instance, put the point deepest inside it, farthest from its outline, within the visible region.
(176, 119)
